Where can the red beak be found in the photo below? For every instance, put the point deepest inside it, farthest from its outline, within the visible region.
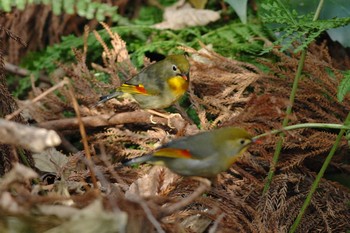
(185, 76)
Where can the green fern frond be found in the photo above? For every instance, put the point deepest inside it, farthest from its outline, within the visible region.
(238, 37)
(294, 27)
(84, 8)
(344, 86)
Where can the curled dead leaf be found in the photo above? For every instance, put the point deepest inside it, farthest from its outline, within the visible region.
(157, 180)
(182, 15)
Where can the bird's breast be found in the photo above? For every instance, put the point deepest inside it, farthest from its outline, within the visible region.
(178, 86)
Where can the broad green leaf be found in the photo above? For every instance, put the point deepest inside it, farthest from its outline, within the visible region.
(240, 7)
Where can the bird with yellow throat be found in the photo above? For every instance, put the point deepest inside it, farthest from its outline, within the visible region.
(157, 86)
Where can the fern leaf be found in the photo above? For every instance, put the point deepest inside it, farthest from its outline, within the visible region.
(293, 27)
(68, 6)
(57, 7)
(84, 8)
(5, 5)
(21, 4)
(344, 87)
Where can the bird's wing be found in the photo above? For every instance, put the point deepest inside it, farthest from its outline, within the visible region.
(137, 89)
(143, 83)
(175, 153)
(193, 147)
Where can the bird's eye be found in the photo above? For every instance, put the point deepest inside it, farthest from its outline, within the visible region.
(242, 142)
(174, 68)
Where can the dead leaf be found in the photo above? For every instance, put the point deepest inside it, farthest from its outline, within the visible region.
(157, 180)
(50, 160)
(60, 211)
(92, 219)
(181, 15)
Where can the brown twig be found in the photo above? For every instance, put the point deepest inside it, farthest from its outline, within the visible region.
(139, 116)
(15, 69)
(82, 133)
(205, 185)
(214, 228)
(36, 99)
(135, 198)
(110, 168)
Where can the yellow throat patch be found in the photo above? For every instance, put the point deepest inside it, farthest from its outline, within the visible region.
(178, 85)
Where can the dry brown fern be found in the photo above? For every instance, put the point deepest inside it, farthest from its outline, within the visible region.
(221, 95)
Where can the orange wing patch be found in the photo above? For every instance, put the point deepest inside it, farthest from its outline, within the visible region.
(134, 89)
(173, 153)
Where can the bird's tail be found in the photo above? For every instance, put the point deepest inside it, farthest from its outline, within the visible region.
(105, 98)
(137, 160)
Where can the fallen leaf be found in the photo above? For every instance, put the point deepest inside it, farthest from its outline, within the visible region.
(93, 219)
(50, 160)
(150, 184)
(181, 15)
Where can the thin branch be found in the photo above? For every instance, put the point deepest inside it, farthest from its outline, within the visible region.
(302, 126)
(15, 69)
(36, 99)
(139, 116)
(82, 133)
(214, 228)
(151, 218)
(205, 185)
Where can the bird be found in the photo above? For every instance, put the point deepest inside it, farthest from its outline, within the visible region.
(157, 86)
(202, 155)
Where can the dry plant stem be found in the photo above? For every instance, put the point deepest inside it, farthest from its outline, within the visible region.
(319, 176)
(166, 116)
(111, 119)
(83, 134)
(31, 138)
(110, 168)
(204, 186)
(214, 228)
(36, 99)
(289, 108)
(285, 122)
(151, 218)
(304, 125)
(15, 69)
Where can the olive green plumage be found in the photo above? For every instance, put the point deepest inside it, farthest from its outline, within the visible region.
(205, 154)
(157, 86)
